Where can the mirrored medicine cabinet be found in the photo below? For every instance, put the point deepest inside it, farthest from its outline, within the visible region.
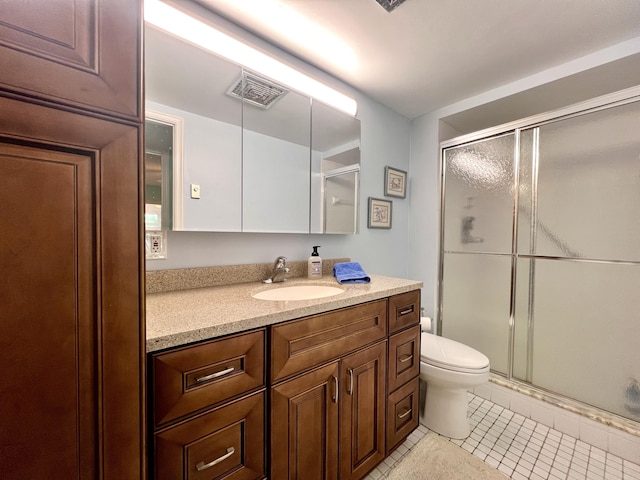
(230, 151)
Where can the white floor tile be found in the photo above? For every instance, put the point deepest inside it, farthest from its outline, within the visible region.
(522, 448)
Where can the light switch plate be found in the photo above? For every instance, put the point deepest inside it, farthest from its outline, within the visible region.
(195, 190)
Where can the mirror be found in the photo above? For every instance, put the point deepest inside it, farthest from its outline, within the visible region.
(276, 161)
(162, 134)
(245, 168)
(335, 171)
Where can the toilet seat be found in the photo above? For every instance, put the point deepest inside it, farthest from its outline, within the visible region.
(451, 355)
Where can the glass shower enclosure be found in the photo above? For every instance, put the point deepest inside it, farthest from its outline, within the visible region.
(540, 252)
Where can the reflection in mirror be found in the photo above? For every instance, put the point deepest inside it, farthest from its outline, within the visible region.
(162, 159)
(340, 200)
(266, 172)
(335, 168)
(185, 81)
(276, 159)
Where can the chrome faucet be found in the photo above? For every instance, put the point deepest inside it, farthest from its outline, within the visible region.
(280, 271)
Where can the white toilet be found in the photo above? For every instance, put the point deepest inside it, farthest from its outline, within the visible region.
(449, 368)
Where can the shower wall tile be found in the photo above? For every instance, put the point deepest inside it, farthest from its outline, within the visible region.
(483, 391)
(542, 413)
(624, 445)
(521, 404)
(594, 433)
(501, 396)
(568, 423)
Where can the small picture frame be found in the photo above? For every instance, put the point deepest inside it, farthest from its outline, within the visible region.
(379, 213)
(395, 182)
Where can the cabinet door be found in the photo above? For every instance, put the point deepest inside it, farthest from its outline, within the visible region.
(362, 404)
(304, 426)
(80, 53)
(71, 336)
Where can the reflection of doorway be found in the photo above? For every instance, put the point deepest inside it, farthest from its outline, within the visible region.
(163, 171)
(340, 199)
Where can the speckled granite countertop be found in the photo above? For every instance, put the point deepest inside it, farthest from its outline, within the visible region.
(181, 317)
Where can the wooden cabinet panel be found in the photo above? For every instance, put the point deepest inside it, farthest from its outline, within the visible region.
(402, 413)
(45, 325)
(404, 357)
(225, 443)
(404, 310)
(71, 336)
(84, 54)
(362, 420)
(302, 344)
(304, 426)
(190, 379)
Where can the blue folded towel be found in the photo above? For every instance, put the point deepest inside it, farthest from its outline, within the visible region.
(350, 272)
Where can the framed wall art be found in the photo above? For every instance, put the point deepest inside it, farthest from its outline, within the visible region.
(395, 182)
(379, 213)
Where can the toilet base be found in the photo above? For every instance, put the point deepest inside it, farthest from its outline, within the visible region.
(445, 411)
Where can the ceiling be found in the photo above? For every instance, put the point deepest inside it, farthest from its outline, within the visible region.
(427, 54)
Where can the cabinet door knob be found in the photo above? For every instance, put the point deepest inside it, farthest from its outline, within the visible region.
(406, 311)
(215, 375)
(335, 384)
(350, 391)
(203, 466)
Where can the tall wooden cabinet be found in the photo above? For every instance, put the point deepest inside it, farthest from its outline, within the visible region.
(71, 328)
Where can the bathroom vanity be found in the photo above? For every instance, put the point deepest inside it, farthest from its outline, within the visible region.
(242, 388)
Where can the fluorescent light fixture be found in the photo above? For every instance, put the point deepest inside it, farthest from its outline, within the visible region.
(188, 28)
(304, 31)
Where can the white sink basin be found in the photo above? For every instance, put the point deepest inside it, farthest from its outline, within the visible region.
(298, 292)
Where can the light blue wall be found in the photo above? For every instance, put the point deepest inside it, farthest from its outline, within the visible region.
(385, 140)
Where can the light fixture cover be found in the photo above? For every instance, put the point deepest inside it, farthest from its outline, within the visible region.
(390, 5)
(204, 35)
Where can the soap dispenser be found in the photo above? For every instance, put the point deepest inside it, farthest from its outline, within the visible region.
(315, 264)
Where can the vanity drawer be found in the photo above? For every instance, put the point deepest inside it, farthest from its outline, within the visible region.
(404, 357)
(402, 413)
(404, 310)
(302, 344)
(193, 378)
(227, 442)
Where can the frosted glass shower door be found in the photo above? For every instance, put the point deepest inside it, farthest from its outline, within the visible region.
(477, 246)
(577, 321)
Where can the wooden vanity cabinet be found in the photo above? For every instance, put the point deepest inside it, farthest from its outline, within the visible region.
(341, 394)
(341, 403)
(208, 402)
(404, 367)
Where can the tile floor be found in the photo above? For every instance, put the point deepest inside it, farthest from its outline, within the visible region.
(524, 449)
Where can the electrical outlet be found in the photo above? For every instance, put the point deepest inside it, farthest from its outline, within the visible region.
(155, 243)
(195, 190)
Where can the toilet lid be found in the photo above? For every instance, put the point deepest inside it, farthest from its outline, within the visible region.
(449, 354)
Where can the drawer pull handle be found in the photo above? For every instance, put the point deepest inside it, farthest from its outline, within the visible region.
(402, 415)
(215, 375)
(203, 466)
(405, 359)
(406, 311)
(335, 396)
(350, 381)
